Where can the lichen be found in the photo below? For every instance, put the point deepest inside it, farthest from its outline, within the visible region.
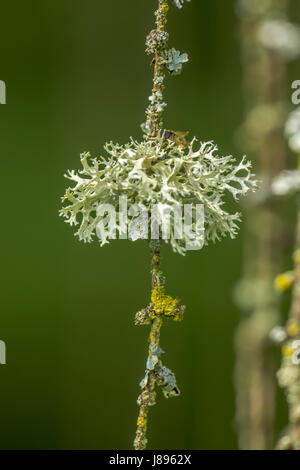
(141, 421)
(284, 281)
(158, 172)
(179, 3)
(175, 60)
(280, 35)
(292, 130)
(165, 305)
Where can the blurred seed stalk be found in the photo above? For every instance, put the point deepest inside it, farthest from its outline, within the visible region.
(287, 186)
(268, 42)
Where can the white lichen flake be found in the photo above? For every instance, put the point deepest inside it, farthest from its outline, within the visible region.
(286, 183)
(282, 36)
(292, 130)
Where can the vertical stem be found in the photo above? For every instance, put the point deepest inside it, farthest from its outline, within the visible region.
(264, 79)
(294, 318)
(154, 120)
(154, 112)
(295, 308)
(148, 395)
(155, 264)
(289, 373)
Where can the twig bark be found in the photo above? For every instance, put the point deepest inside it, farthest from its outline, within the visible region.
(156, 373)
(148, 395)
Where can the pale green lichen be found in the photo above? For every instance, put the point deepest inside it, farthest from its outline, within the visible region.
(158, 172)
(175, 60)
(163, 376)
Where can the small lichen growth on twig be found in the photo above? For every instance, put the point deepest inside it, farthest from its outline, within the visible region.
(179, 3)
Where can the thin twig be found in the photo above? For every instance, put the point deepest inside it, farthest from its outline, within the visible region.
(147, 397)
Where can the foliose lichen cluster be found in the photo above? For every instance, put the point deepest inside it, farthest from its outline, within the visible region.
(157, 171)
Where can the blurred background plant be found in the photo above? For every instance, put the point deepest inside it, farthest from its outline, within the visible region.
(268, 42)
(286, 186)
(71, 348)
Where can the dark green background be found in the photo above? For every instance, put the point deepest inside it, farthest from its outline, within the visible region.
(76, 77)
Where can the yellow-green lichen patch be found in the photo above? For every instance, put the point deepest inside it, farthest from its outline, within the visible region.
(165, 305)
(284, 281)
(293, 328)
(141, 421)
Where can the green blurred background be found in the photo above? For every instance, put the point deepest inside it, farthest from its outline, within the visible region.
(77, 76)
